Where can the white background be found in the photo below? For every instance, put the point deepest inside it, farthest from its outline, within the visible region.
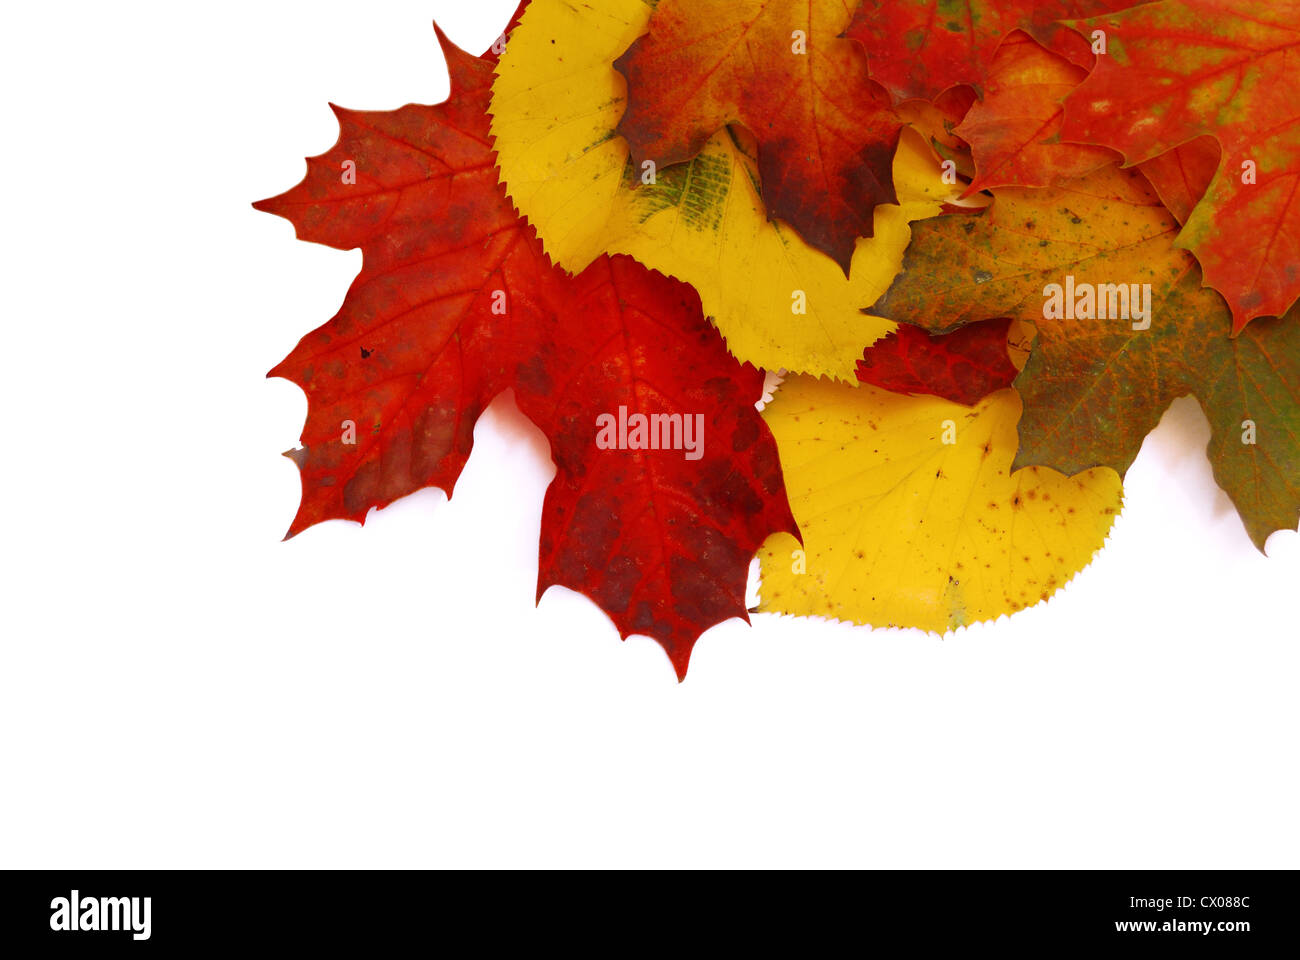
(180, 688)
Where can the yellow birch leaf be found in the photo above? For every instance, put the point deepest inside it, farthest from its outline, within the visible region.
(556, 103)
(901, 528)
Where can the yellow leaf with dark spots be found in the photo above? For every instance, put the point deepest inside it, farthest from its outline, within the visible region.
(911, 514)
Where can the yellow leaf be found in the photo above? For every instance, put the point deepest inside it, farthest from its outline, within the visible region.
(555, 104)
(904, 529)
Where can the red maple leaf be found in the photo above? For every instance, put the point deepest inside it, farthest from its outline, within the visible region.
(920, 48)
(455, 303)
(1012, 131)
(964, 366)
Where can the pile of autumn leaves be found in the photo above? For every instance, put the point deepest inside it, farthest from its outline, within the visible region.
(631, 207)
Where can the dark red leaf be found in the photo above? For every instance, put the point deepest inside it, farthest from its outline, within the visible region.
(455, 303)
(963, 366)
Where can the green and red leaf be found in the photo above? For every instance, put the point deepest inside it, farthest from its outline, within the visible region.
(1096, 384)
(1182, 69)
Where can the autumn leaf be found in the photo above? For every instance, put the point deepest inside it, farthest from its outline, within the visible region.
(456, 302)
(777, 302)
(912, 515)
(1012, 131)
(826, 134)
(1182, 175)
(963, 366)
(936, 122)
(920, 48)
(1181, 69)
(1110, 357)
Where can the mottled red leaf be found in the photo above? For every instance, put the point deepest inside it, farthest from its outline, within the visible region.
(455, 303)
(920, 48)
(1230, 69)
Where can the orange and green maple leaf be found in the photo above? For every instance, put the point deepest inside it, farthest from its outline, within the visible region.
(1108, 360)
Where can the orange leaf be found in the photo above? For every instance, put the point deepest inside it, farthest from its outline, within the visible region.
(1012, 131)
(826, 134)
